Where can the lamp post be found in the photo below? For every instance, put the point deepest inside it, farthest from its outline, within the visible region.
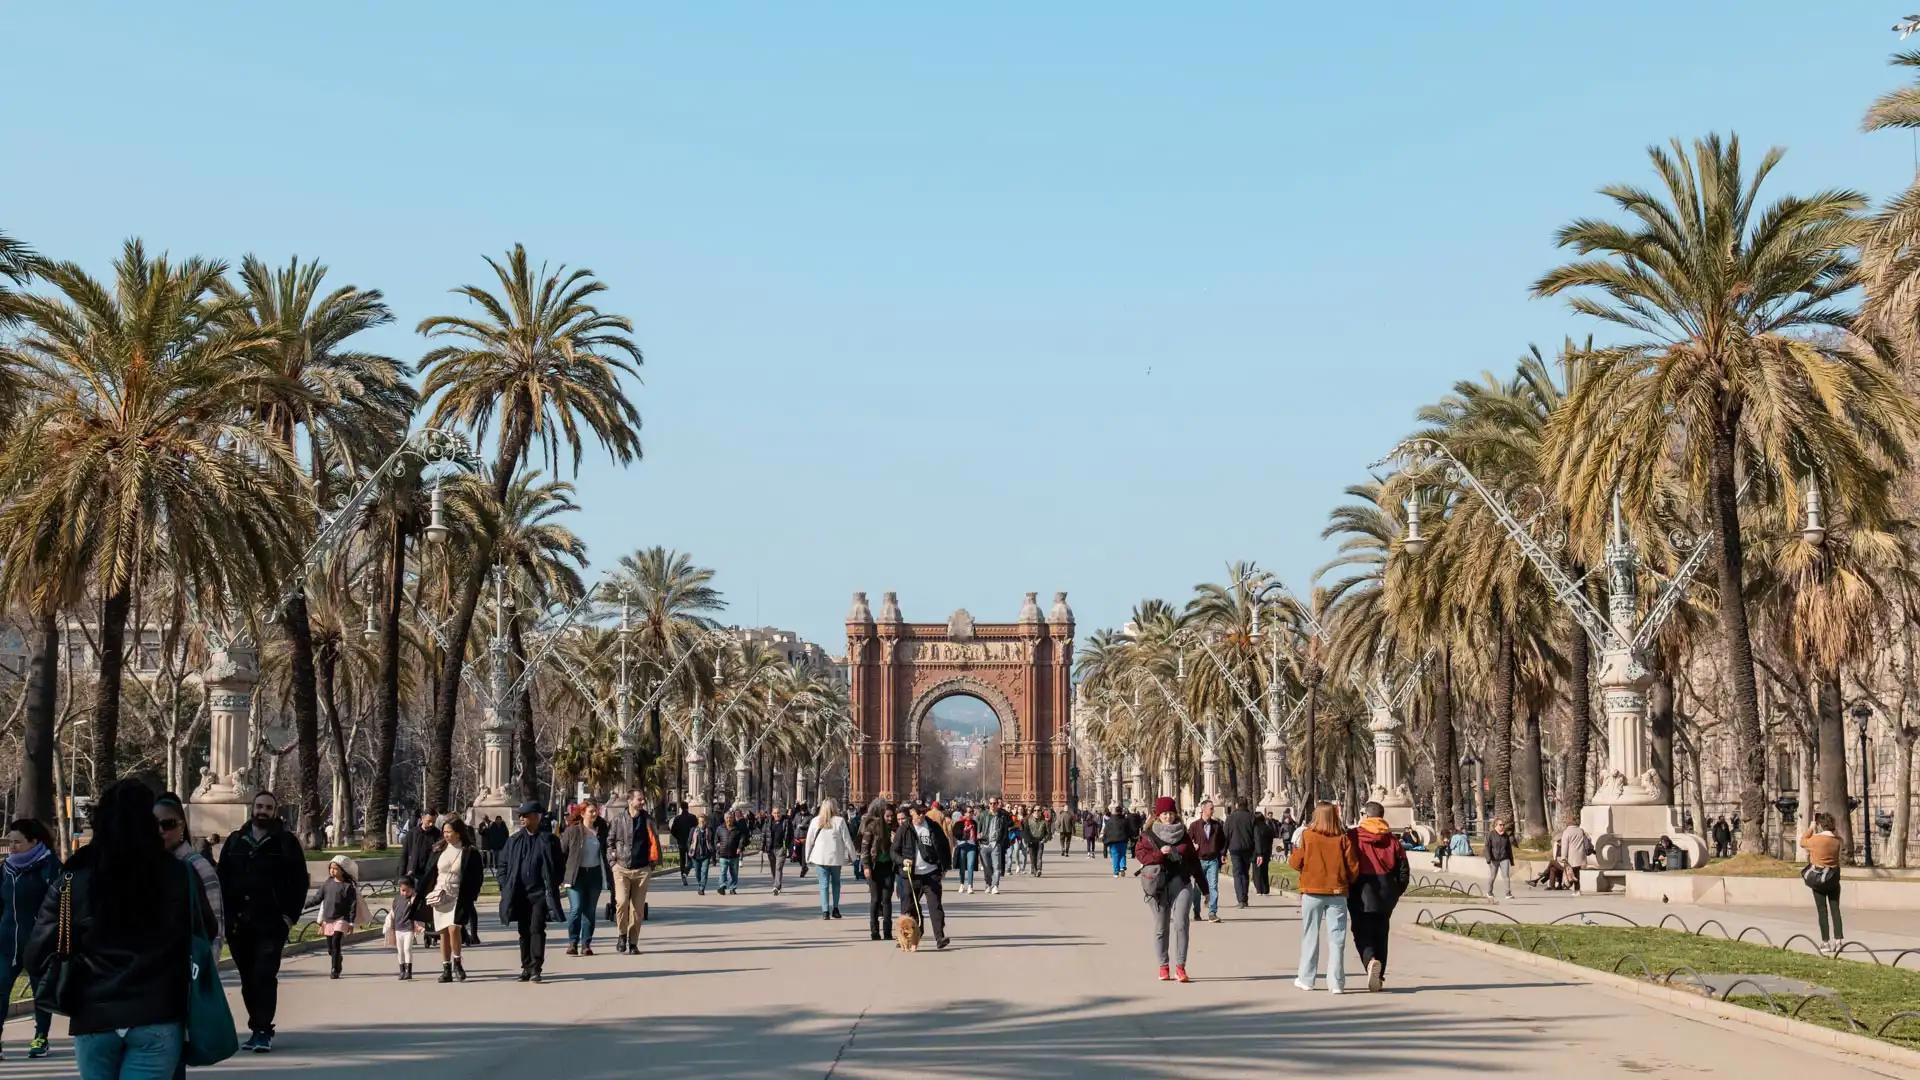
(222, 799)
(1862, 713)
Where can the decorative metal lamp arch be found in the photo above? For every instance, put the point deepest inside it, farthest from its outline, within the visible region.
(1001, 704)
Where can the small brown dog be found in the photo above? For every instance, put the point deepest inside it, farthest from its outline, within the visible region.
(906, 931)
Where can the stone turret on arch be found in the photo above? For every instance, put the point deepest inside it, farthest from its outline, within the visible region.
(898, 670)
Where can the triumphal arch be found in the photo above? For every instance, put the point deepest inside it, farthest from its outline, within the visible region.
(897, 672)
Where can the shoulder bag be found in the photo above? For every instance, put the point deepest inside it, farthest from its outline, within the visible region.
(56, 990)
(210, 1035)
(1819, 878)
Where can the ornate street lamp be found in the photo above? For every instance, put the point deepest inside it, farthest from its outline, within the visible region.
(1413, 542)
(1813, 528)
(436, 530)
(1862, 713)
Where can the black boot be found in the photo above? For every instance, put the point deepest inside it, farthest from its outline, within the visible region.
(536, 973)
(459, 973)
(446, 973)
(403, 973)
(526, 973)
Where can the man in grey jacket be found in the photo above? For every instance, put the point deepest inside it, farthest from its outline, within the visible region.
(996, 835)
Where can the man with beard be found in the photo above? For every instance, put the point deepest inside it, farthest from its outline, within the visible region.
(263, 883)
(632, 850)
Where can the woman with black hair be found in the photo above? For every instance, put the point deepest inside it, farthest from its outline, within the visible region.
(451, 888)
(170, 814)
(130, 909)
(31, 869)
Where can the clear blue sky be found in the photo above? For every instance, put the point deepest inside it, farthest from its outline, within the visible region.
(962, 304)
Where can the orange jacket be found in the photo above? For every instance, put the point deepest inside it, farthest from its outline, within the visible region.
(1328, 865)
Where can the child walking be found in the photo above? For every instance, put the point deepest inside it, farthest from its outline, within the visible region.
(340, 907)
(400, 926)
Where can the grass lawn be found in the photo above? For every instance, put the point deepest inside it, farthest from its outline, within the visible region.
(1747, 866)
(1873, 992)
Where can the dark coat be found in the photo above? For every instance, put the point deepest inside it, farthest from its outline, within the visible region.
(1115, 830)
(338, 899)
(263, 885)
(1263, 831)
(128, 976)
(1383, 871)
(779, 834)
(529, 872)
(1240, 833)
(1209, 838)
(733, 839)
(1499, 847)
(704, 843)
(996, 828)
(682, 827)
(876, 840)
(1182, 862)
(906, 842)
(464, 905)
(416, 853)
(21, 895)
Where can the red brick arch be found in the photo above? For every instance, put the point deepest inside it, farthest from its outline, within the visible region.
(898, 670)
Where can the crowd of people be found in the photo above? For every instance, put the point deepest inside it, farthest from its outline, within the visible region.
(131, 925)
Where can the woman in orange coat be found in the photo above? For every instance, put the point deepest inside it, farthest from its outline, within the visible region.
(1328, 862)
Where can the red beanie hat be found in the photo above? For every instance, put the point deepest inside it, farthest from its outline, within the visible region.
(1162, 805)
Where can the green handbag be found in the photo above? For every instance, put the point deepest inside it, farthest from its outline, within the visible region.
(210, 1035)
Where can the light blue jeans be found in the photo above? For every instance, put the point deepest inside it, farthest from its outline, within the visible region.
(730, 873)
(1211, 867)
(829, 877)
(1118, 853)
(147, 1052)
(1333, 910)
(968, 856)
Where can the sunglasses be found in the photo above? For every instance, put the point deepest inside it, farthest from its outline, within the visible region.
(169, 824)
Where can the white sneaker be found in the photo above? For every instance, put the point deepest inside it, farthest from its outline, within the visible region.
(1303, 985)
(995, 890)
(1335, 988)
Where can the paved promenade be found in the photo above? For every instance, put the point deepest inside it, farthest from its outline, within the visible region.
(1052, 978)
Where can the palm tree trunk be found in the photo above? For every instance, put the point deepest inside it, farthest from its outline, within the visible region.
(528, 751)
(43, 692)
(1739, 642)
(1446, 788)
(1573, 788)
(306, 719)
(106, 705)
(1533, 781)
(1831, 728)
(1250, 782)
(387, 724)
(326, 668)
(1500, 740)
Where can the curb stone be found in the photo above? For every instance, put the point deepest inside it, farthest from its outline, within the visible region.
(1771, 1026)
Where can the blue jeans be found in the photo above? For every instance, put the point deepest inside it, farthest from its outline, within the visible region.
(1333, 910)
(700, 868)
(969, 858)
(1118, 853)
(147, 1052)
(730, 873)
(1210, 867)
(42, 1019)
(829, 877)
(995, 858)
(584, 896)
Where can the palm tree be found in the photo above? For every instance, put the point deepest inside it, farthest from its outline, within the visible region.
(17, 266)
(672, 599)
(347, 405)
(133, 460)
(1726, 376)
(539, 363)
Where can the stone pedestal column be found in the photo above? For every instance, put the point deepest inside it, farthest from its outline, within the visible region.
(1137, 792)
(1389, 776)
(1272, 799)
(496, 754)
(223, 800)
(1168, 780)
(1210, 773)
(800, 784)
(696, 795)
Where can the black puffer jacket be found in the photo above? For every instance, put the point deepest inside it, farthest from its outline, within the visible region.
(263, 883)
(128, 976)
